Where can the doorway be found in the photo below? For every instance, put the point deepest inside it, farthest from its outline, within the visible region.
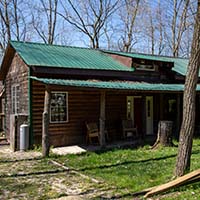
(134, 111)
(137, 100)
(149, 115)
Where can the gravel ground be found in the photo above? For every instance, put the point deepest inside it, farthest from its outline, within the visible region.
(25, 175)
(6, 153)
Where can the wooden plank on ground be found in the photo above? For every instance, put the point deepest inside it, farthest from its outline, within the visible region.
(177, 182)
(142, 192)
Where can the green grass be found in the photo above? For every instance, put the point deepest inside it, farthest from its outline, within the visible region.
(121, 172)
(130, 170)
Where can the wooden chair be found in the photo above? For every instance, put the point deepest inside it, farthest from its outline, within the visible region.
(128, 127)
(92, 132)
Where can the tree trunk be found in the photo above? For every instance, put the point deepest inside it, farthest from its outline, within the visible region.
(188, 123)
(164, 136)
(45, 125)
(45, 135)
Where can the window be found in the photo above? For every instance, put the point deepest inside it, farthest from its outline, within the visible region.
(129, 107)
(148, 108)
(146, 65)
(59, 107)
(15, 99)
(172, 105)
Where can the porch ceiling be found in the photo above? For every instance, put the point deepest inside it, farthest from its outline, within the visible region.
(116, 85)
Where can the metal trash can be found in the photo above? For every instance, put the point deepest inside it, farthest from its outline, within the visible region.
(24, 137)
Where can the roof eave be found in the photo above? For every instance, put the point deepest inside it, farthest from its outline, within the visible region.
(7, 59)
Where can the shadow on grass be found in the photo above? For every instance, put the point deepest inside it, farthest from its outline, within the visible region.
(19, 160)
(33, 173)
(131, 162)
(126, 163)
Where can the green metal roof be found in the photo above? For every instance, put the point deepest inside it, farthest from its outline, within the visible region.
(180, 64)
(118, 85)
(35, 54)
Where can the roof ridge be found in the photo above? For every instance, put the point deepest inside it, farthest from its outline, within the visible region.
(101, 50)
(145, 54)
(45, 44)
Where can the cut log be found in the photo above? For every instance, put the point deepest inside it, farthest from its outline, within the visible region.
(164, 135)
(177, 182)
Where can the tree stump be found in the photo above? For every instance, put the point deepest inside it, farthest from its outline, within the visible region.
(164, 135)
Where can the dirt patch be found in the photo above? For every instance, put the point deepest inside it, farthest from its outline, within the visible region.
(52, 186)
(19, 179)
(7, 154)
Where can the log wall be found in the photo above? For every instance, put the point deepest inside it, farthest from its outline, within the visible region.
(17, 74)
(83, 106)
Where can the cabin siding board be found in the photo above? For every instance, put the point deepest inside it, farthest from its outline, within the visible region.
(17, 75)
(82, 106)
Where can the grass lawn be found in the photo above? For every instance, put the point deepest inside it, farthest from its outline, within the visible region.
(121, 172)
(130, 170)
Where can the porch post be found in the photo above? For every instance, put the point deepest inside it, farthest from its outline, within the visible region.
(102, 118)
(161, 106)
(143, 116)
(45, 124)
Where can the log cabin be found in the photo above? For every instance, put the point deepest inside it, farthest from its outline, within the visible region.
(87, 85)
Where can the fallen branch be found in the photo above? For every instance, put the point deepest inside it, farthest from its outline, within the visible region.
(195, 175)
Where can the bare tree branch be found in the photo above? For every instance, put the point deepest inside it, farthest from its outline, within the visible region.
(90, 20)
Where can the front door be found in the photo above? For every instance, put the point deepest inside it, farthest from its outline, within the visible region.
(134, 111)
(138, 113)
(149, 115)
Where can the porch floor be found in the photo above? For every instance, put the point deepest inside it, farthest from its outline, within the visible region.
(78, 149)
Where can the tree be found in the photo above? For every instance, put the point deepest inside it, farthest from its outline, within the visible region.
(44, 20)
(13, 25)
(188, 123)
(161, 28)
(128, 14)
(176, 24)
(154, 27)
(5, 23)
(89, 16)
(178, 30)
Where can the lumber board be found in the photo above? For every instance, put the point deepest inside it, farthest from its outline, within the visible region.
(177, 182)
(142, 192)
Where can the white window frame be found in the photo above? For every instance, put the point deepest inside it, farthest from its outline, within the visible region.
(15, 99)
(66, 106)
(129, 107)
(142, 67)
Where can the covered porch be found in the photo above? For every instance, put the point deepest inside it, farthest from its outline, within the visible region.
(108, 104)
(79, 149)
